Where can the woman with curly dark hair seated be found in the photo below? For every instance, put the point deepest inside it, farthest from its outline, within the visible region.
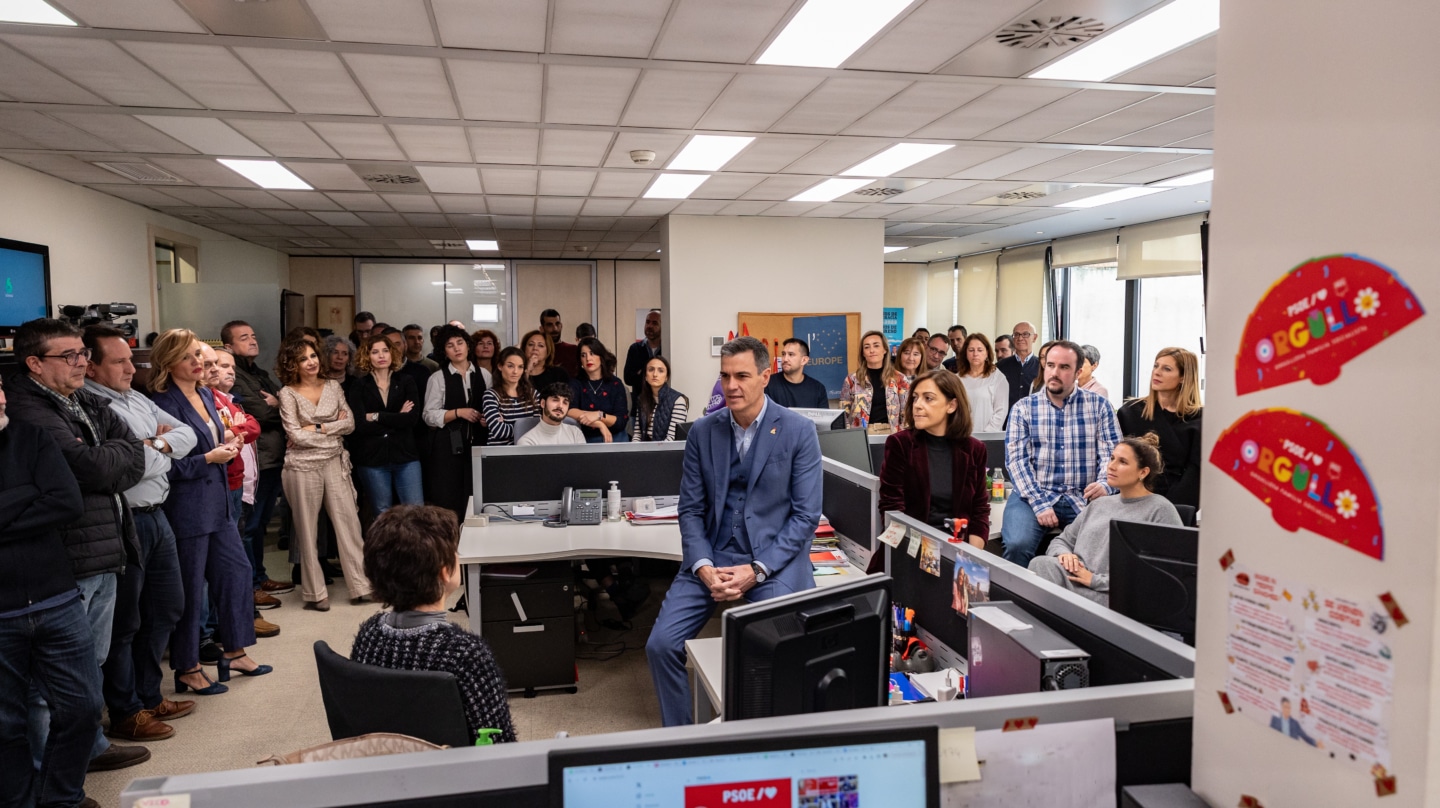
(412, 560)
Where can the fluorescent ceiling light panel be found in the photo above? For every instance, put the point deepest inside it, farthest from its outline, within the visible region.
(830, 189)
(267, 174)
(482, 244)
(824, 33)
(32, 11)
(675, 186)
(1156, 34)
(896, 158)
(1189, 179)
(1118, 195)
(708, 152)
(890, 249)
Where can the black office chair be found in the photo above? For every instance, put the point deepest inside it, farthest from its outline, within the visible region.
(1187, 514)
(682, 430)
(360, 699)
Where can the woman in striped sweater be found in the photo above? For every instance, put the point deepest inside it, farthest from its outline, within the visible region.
(659, 408)
(510, 399)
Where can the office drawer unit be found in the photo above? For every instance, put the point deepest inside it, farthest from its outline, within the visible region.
(530, 625)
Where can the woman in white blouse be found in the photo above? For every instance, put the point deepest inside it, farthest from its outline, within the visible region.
(454, 409)
(988, 391)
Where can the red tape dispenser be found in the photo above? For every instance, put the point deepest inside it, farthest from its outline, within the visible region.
(957, 529)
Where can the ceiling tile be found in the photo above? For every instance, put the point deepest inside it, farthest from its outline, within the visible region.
(521, 181)
(1181, 68)
(1069, 164)
(606, 27)
(309, 81)
(553, 206)
(664, 146)
(952, 161)
(1171, 133)
(768, 155)
(572, 147)
(1108, 171)
(451, 179)
(412, 203)
(253, 199)
(462, 203)
(606, 207)
(124, 131)
(505, 145)
(652, 207)
(621, 183)
(835, 156)
(511, 205)
(148, 197)
(291, 217)
(1165, 171)
(360, 201)
(727, 186)
(50, 132)
(719, 31)
(1070, 111)
(382, 219)
(210, 74)
(64, 167)
(104, 69)
(206, 135)
(24, 79)
(244, 216)
(1011, 163)
(920, 104)
(780, 188)
(516, 25)
(433, 144)
(201, 197)
(1205, 141)
(554, 182)
(141, 15)
(307, 200)
(1000, 106)
(498, 91)
(1156, 110)
(359, 141)
(673, 99)
(398, 22)
(745, 208)
(203, 171)
(594, 95)
(405, 86)
(753, 103)
(934, 33)
(791, 208)
(338, 218)
(283, 138)
(838, 103)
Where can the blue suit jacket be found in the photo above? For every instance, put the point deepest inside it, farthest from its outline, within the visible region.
(199, 501)
(782, 501)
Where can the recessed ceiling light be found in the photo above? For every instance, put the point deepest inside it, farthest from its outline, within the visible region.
(890, 249)
(1157, 33)
(479, 245)
(267, 174)
(675, 186)
(1118, 195)
(896, 158)
(1208, 175)
(1039, 232)
(708, 152)
(37, 12)
(825, 32)
(1202, 201)
(828, 190)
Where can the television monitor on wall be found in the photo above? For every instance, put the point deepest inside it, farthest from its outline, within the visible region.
(24, 284)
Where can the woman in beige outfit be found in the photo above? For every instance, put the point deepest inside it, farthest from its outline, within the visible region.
(317, 470)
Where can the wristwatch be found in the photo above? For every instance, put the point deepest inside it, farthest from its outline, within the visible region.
(759, 572)
(158, 444)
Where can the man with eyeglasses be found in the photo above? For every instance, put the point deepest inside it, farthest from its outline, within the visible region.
(1021, 367)
(935, 352)
(106, 459)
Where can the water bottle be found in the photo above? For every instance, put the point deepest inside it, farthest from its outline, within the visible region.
(997, 485)
(612, 502)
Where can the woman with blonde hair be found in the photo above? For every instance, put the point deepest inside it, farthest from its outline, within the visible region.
(1172, 411)
(540, 365)
(988, 390)
(875, 393)
(198, 510)
(317, 471)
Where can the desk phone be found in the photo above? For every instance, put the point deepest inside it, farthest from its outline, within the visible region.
(582, 506)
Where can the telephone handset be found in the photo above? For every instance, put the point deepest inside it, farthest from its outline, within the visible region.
(582, 506)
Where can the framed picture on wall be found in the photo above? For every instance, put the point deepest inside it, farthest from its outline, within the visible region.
(335, 313)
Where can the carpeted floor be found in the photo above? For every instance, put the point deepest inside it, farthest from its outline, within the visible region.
(282, 712)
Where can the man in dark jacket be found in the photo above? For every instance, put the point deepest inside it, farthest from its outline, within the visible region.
(640, 354)
(45, 640)
(258, 392)
(106, 458)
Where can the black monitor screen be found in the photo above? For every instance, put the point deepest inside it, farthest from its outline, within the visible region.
(24, 284)
(848, 446)
(816, 651)
(541, 476)
(1152, 575)
(847, 506)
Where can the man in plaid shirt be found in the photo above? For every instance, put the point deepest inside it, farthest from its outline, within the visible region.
(1056, 448)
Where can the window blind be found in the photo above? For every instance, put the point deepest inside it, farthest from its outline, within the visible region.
(1161, 249)
(1021, 286)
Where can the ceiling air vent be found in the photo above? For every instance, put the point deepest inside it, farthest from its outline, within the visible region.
(1057, 32)
(390, 179)
(1021, 195)
(884, 191)
(143, 173)
(441, 244)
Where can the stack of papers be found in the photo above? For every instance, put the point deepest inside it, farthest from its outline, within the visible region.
(828, 558)
(659, 516)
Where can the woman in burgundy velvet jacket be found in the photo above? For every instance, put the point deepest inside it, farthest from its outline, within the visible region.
(913, 478)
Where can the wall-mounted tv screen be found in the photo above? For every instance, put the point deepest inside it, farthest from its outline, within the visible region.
(24, 284)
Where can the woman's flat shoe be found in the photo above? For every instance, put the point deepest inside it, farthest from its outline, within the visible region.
(212, 689)
(225, 668)
(361, 599)
(319, 605)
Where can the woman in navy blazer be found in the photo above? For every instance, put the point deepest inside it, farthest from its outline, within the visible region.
(198, 509)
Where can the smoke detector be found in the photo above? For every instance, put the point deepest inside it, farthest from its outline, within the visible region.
(1056, 32)
(642, 157)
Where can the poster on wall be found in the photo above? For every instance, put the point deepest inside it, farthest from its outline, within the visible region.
(893, 325)
(1307, 476)
(1322, 314)
(829, 348)
(1313, 666)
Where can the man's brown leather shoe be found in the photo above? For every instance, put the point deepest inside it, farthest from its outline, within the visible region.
(264, 601)
(277, 587)
(167, 709)
(265, 628)
(142, 726)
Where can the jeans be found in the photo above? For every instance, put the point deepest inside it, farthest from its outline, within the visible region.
(267, 490)
(1022, 532)
(148, 603)
(387, 484)
(53, 651)
(97, 595)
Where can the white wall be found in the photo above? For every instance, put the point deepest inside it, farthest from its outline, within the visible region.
(100, 248)
(713, 267)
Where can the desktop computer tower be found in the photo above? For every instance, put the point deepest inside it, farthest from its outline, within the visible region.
(1012, 652)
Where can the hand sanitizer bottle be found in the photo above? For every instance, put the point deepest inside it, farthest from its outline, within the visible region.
(612, 502)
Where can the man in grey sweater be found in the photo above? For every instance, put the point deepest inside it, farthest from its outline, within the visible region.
(1079, 558)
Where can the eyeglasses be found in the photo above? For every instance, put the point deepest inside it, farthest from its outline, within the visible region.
(1025, 334)
(72, 358)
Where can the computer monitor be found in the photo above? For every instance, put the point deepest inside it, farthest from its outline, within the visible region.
(24, 284)
(849, 446)
(814, 651)
(897, 768)
(1152, 575)
(994, 447)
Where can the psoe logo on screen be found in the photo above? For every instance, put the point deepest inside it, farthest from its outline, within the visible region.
(750, 794)
(1306, 474)
(1321, 315)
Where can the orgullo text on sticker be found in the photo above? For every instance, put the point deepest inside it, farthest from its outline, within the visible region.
(1321, 315)
(1306, 474)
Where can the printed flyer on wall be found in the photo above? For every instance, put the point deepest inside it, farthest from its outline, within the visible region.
(1313, 666)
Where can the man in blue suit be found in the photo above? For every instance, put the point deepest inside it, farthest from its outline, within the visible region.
(749, 505)
(1286, 725)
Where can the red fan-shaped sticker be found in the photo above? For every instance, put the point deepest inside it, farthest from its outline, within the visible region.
(1306, 474)
(1321, 315)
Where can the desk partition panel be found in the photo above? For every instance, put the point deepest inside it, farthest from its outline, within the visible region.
(535, 475)
(851, 501)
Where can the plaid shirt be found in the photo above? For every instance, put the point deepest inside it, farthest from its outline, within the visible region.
(1054, 452)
